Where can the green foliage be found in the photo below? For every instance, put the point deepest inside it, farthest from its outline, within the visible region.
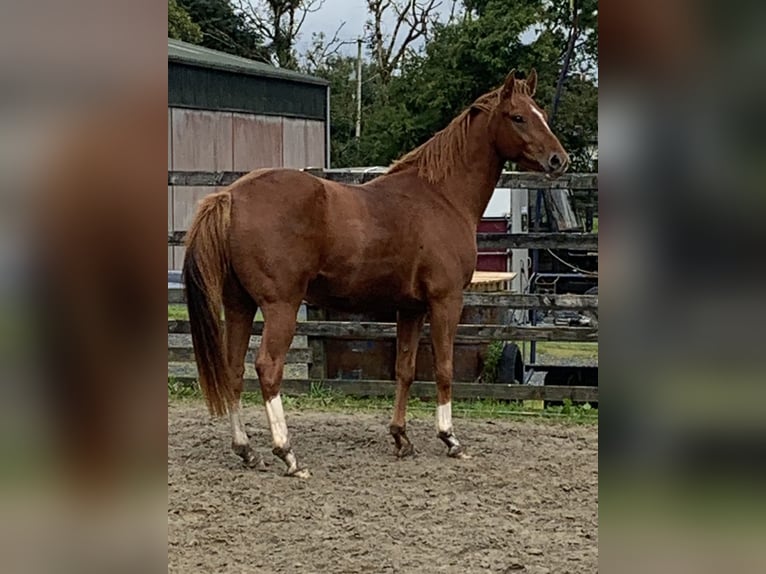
(181, 26)
(464, 59)
(225, 29)
(180, 390)
(321, 393)
(491, 361)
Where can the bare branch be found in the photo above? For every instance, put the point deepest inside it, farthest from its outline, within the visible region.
(310, 8)
(453, 6)
(573, 33)
(401, 16)
(412, 21)
(323, 49)
(280, 23)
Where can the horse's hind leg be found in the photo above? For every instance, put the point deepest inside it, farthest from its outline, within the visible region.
(239, 309)
(278, 330)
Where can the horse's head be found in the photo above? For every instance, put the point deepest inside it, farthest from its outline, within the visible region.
(521, 131)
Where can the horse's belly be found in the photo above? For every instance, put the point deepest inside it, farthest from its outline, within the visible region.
(355, 293)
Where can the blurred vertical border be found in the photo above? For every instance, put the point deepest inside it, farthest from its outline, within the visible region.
(682, 114)
(83, 434)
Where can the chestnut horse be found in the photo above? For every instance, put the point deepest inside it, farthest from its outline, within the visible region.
(404, 241)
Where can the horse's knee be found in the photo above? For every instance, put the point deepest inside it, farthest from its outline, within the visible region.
(443, 372)
(268, 376)
(237, 381)
(262, 365)
(405, 374)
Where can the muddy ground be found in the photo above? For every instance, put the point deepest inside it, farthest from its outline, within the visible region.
(526, 502)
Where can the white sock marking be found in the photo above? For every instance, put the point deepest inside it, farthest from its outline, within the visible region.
(238, 434)
(276, 416)
(444, 418)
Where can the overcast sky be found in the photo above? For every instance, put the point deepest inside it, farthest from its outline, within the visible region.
(354, 14)
(330, 16)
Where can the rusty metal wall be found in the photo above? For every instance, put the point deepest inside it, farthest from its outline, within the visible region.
(489, 259)
(375, 359)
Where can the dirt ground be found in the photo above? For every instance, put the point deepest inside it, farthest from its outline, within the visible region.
(527, 500)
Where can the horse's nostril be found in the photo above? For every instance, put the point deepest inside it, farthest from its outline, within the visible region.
(555, 160)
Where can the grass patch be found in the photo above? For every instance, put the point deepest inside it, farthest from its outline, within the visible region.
(323, 398)
(181, 390)
(179, 312)
(567, 350)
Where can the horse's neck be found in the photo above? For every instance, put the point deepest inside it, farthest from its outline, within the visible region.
(470, 186)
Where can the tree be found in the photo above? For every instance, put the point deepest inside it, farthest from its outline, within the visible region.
(340, 71)
(559, 18)
(322, 51)
(412, 21)
(224, 29)
(472, 55)
(181, 26)
(280, 23)
(461, 61)
(463, 58)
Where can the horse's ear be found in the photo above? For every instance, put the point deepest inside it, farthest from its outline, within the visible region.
(510, 79)
(532, 82)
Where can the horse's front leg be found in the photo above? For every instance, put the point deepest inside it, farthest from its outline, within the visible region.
(408, 327)
(445, 316)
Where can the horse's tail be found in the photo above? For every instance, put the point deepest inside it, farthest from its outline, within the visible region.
(206, 266)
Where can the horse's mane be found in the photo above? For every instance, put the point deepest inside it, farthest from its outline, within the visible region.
(437, 157)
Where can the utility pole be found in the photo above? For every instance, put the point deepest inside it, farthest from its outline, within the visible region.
(358, 87)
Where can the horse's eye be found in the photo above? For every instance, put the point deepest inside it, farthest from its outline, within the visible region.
(518, 119)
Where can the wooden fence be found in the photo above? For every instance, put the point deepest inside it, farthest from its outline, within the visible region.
(312, 333)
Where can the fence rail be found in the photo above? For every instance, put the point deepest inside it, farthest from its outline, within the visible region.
(465, 333)
(509, 179)
(185, 354)
(176, 295)
(427, 390)
(574, 241)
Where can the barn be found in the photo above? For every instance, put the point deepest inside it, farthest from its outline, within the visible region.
(227, 113)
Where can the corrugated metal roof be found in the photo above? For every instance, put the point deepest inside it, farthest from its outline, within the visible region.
(190, 54)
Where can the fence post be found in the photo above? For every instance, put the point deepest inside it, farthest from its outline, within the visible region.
(318, 367)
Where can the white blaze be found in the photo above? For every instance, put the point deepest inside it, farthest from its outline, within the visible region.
(444, 418)
(540, 115)
(276, 416)
(238, 434)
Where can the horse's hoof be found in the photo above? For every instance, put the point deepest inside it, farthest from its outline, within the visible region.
(405, 451)
(299, 473)
(249, 458)
(458, 452)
